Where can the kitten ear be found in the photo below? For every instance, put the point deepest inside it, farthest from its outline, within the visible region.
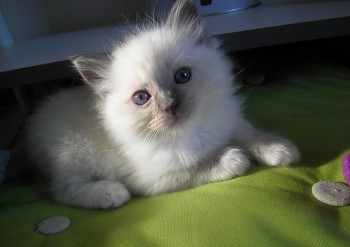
(184, 16)
(93, 70)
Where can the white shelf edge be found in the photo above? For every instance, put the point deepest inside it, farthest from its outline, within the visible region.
(241, 28)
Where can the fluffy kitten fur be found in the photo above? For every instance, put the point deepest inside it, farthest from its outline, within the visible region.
(97, 146)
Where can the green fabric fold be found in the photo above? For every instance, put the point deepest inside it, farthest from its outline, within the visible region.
(308, 102)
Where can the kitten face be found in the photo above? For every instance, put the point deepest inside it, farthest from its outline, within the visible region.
(157, 81)
(161, 82)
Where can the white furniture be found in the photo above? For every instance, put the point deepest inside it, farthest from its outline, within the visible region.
(272, 22)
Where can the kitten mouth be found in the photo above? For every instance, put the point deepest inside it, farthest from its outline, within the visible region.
(164, 122)
(177, 120)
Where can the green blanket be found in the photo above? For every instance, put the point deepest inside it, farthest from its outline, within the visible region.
(308, 102)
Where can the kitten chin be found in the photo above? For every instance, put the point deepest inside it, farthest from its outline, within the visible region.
(157, 115)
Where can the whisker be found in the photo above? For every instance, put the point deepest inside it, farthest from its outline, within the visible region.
(247, 67)
(207, 84)
(107, 52)
(215, 93)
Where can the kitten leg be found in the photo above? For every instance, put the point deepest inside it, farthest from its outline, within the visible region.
(231, 163)
(267, 149)
(90, 194)
(73, 176)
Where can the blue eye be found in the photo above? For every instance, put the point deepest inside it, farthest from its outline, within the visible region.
(182, 75)
(141, 97)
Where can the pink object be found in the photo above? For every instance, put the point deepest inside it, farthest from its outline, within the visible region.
(346, 168)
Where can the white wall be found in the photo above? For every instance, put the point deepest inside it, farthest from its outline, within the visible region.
(28, 19)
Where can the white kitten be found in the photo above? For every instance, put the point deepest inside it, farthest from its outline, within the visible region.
(161, 117)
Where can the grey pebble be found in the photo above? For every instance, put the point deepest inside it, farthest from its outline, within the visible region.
(53, 225)
(332, 193)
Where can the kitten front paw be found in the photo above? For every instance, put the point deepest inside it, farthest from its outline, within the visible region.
(112, 195)
(102, 194)
(278, 152)
(233, 162)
